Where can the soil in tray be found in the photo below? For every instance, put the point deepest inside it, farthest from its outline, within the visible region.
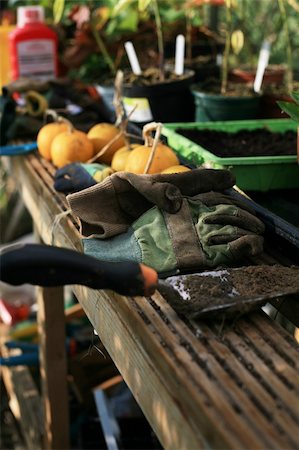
(258, 142)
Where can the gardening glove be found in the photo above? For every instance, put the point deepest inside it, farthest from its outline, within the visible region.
(207, 231)
(77, 176)
(228, 230)
(109, 208)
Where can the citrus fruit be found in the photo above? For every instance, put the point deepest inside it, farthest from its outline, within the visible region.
(164, 157)
(120, 157)
(100, 135)
(71, 146)
(46, 135)
(176, 169)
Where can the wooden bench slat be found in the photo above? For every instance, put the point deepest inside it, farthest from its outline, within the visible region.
(215, 345)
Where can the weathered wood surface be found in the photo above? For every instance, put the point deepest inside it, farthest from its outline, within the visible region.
(24, 400)
(198, 385)
(53, 367)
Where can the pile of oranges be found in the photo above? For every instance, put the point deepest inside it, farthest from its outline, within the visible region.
(62, 144)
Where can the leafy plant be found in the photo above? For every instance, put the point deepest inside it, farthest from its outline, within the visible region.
(291, 108)
(144, 5)
(90, 32)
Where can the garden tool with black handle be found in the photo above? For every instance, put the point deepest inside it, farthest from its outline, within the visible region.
(53, 266)
(45, 265)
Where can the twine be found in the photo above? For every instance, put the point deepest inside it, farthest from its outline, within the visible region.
(56, 222)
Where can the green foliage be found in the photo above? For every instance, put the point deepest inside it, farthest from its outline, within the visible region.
(292, 109)
(87, 73)
(260, 20)
(125, 21)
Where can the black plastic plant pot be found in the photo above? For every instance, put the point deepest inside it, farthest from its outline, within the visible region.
(170, 101)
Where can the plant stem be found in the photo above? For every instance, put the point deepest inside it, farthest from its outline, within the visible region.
(188, 36)
(224, 71)
(103, 49)
(160, 38)
(289, 72)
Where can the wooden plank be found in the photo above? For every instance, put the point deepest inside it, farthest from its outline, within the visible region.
(24, 401)
(126, 346)
(43, 207)
(53, 367)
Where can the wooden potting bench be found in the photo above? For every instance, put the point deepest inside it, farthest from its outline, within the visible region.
(199, 385)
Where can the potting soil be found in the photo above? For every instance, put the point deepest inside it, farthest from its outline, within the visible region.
(152, 76)
(258, 142)
(227, 286)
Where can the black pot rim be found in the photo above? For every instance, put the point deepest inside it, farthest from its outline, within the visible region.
(160, 88)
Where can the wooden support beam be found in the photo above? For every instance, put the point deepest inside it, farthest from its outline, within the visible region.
(53, 367)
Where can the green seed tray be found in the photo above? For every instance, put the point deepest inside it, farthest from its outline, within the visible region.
(259, 173)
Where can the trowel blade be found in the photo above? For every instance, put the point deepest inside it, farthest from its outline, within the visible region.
(228, 292)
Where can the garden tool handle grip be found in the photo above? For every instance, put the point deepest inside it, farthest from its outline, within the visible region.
(46, 265)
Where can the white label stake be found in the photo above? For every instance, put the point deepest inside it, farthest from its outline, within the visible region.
(261, 66)
(179, 55)
(132, 58)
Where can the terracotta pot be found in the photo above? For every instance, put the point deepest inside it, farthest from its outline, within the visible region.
(273, 75)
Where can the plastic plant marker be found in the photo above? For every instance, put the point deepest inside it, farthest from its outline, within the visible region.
(133, 58)
(179, 55)
(261, 66)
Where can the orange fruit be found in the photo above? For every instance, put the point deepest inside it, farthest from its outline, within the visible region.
(176, 169)
(71, 146)
(100, 135)
(120, 157)
(46, 135)
(164, 157)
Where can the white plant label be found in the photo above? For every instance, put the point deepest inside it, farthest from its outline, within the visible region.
(142, 112)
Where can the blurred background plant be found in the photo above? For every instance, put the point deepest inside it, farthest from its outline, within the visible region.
(92, 33)
(251, 22)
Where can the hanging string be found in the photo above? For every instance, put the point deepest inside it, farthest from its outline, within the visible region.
(57, 220)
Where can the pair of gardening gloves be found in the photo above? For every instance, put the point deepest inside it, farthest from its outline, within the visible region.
(171, 222)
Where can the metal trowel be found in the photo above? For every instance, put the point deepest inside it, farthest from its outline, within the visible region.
(229, 292)
(205, 295)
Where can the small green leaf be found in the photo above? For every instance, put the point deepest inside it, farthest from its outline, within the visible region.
(121, 5)
(143, 4)
(58, 8)
(295, 96)
(129, 22)
(291, 109)
(237, 41)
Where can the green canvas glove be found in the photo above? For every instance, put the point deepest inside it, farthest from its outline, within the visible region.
(209, 230)
(110, 207)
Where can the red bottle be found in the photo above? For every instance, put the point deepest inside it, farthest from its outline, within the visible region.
(33, 45)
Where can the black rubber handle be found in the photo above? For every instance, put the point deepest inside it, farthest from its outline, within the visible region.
(45, 265)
